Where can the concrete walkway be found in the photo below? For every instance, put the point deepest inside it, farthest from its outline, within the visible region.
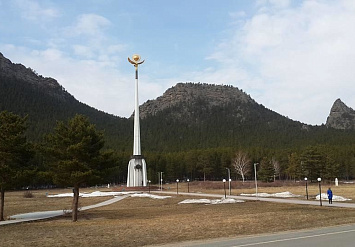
(19, 218)
(266, 199)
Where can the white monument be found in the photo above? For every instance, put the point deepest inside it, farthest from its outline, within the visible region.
(137, 168)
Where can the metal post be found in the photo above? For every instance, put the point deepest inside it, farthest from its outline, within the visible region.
(177, 186)
(320, 191)
(188, 185)
(224, 185)
(229, 180)
(256, 181)
(306, 179)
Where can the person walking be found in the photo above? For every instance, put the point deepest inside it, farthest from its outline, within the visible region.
(330, 195)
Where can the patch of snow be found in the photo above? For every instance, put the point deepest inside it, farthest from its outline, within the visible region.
(195, 201)
(62, 195)
(150, 196)
(99, 193)
(208, 201)
(92, 194)
(225, 201)
(335, 198)
(285, 194)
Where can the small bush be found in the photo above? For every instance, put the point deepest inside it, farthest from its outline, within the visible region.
(28, 194)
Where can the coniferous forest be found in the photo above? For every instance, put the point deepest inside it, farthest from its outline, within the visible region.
(190, 139)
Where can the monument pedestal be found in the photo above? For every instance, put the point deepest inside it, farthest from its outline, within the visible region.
(137, 172)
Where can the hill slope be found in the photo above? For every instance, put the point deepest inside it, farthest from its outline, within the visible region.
(187, 116)
(203, 115)
(45, 101)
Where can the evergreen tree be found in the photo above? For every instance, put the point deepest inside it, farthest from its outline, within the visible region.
(266, 172)
(15, 153)
(76, 157)
(313, 161)
(294, 169)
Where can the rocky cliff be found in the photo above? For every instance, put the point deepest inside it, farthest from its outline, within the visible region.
(187, 93)
(28, 75)
(341, 116)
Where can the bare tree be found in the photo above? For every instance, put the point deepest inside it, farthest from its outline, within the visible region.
(241, 164)
(276, 166)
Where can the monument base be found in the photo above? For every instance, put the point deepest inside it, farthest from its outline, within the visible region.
(137, 172)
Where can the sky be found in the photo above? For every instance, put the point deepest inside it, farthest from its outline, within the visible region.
(295, 57)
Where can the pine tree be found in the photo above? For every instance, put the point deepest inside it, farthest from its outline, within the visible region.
(15, 153)
(75, 155)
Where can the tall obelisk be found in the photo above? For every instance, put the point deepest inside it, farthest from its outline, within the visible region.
(137, 168)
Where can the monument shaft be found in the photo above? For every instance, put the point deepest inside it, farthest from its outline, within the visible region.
(137, 168)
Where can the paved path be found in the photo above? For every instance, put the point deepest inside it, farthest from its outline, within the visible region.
(50, 214)
(325, 237)
(264, 199)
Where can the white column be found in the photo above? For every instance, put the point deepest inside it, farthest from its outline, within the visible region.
(137, 134)
(137, 170)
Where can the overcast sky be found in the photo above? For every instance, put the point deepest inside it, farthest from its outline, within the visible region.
(294, 57)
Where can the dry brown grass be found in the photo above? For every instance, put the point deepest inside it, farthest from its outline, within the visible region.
(345, 190)
(16, 203)
(142, 221)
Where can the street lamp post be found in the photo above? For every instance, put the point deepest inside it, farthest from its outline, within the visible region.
(188, 185)
(161, 181)
(256, 180)
(224, 185)
(320, 191)
(149, 185)
(177, 186)
(229, 180)
(306, 179)
(230, 187)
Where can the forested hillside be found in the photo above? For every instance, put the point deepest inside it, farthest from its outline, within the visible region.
(193, 130)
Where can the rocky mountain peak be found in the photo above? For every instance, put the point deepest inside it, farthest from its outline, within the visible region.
(341, 116)
(28, 75)
(214, 95)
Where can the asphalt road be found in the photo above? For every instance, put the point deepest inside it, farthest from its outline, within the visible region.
(343, 236)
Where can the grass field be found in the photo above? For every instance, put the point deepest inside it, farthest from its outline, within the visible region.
(143, 221)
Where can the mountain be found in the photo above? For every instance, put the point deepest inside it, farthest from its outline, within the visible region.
(199, 116)
(45, 101)
(188, 116)
(191, 131)
(341, 116)
(187, 93)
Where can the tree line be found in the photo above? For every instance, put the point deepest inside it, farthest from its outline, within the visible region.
(74, 154)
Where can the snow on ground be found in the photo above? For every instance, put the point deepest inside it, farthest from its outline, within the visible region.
(150, 196)
(99, 193)
(208, 201)
(285, 194)
(335, 198)
(92, 194)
